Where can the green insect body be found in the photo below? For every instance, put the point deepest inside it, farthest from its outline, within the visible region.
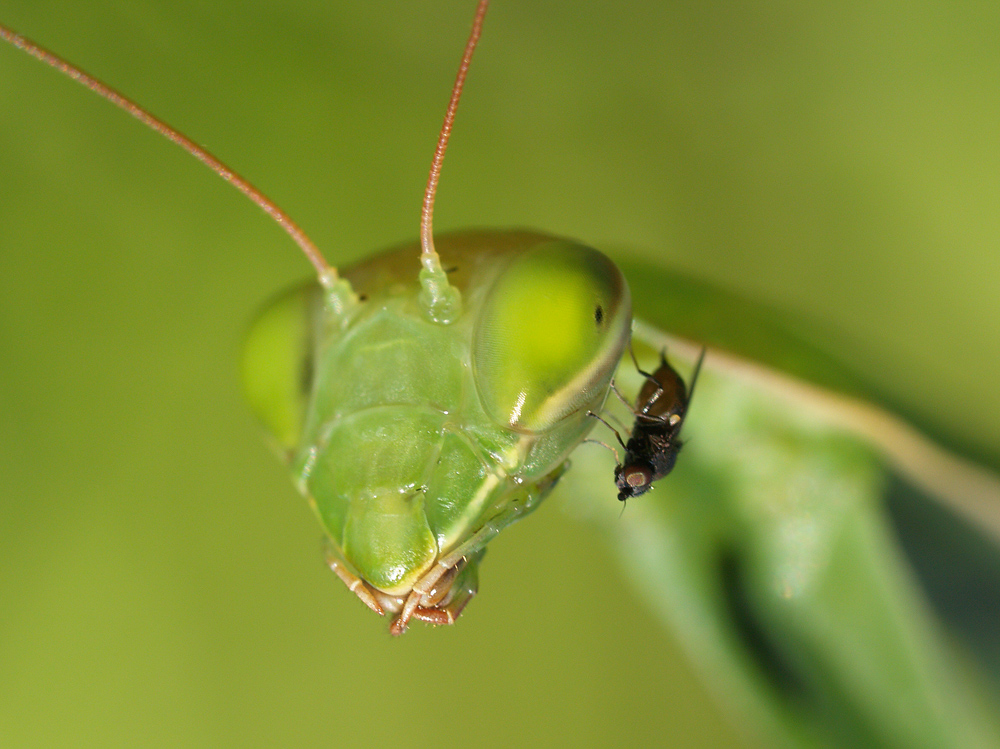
(421, 412)
(415, 440)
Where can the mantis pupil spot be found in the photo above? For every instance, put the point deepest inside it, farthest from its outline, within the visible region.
(599, 314)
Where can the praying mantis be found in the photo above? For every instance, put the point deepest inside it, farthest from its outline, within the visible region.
(421, 417)
(708, 369)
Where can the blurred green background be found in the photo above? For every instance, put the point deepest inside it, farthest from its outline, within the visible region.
(161, 583)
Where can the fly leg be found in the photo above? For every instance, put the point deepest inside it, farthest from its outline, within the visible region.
(622, 398)
(643, 372)
(617, 435)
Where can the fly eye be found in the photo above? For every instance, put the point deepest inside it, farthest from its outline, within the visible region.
(632, 480)
(637, 477)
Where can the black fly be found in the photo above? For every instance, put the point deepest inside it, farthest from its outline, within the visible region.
(659, 412)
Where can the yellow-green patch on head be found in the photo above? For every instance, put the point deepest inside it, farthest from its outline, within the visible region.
(553, 326)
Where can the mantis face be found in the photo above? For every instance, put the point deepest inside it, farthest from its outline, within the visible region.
(422, 412)
(416, 441)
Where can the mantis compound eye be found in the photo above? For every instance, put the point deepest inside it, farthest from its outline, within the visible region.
(551, 332)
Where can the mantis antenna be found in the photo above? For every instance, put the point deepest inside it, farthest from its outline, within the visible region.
(441, 299)
(327, 273)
